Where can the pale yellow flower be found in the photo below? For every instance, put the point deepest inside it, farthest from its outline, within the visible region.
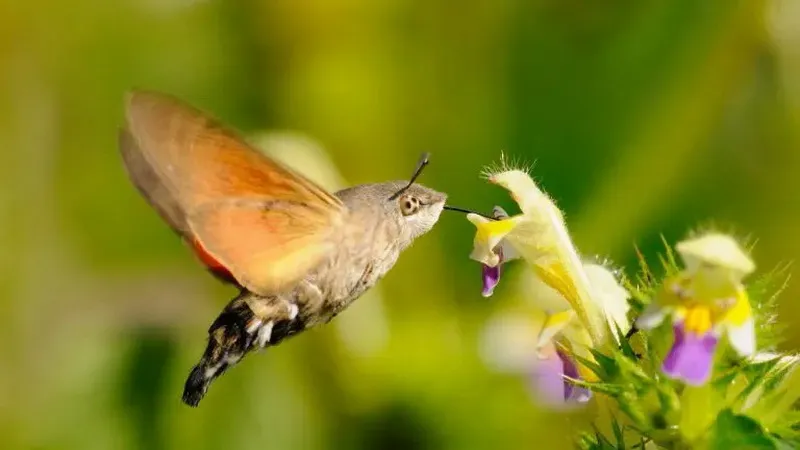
(706, 301)
(579, 304)
(539, 236)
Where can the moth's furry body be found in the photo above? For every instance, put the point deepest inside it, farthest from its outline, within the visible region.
(375, 234)
(299, 254)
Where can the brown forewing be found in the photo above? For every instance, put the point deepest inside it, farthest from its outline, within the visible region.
(264, 223)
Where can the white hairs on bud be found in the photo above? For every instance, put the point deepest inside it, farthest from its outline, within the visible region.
(506, 164)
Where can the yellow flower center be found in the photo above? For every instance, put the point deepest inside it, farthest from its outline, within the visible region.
(697, 320)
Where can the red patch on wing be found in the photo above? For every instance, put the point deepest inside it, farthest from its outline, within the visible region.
(216, 267)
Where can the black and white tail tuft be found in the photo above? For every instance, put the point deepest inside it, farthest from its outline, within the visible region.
(233, 335)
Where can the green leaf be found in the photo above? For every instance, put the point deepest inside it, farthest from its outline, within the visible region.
(668, 399)
(632, 407)
(609, 389)
(641, 291)
(732, 431)
(591, 365)
(607, 363)
(625, 345)
(596, 441)
(668, 260)
(782, 391)
(763, 293)
(632, 372)
(757, 376)
(618, 433)
(698, 411)
(645, 274)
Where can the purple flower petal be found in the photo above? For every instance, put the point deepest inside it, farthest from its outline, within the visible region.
(491, 276)
(548, 380)
(572, 392)
(549, 383)
(691, 357)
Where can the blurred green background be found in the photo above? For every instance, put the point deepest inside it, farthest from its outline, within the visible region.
(642, 118)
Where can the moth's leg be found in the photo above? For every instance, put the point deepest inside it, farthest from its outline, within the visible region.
(310, 298)
(276, 318)
(270, 314)
(289, 314)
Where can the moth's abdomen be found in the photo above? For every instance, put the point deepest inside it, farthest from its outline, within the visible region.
(235, 333)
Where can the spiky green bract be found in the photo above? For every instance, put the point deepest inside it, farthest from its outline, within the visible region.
(749, 403)
(764, 292)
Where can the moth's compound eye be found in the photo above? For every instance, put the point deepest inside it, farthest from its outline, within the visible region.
(408, 204)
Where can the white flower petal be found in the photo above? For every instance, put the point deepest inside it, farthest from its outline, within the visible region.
(743, 337)
(610, 296)
(651, 317)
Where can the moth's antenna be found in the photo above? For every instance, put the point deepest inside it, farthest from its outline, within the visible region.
(423, 161)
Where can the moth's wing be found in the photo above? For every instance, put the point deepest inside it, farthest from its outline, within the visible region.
(267, 225)
(149, 184)
(291, 239)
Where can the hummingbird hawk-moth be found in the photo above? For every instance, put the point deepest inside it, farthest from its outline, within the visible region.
(299, 254)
